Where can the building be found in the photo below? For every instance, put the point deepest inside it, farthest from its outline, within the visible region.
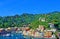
(37, 34)
(1, 29)
(53, 36)
(41, 28)
(42, 19)
(58, 34)
(47, 34)
(51, 25)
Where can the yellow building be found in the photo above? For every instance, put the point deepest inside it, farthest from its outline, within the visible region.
(41, 28)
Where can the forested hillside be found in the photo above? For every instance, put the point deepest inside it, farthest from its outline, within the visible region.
(33, 19)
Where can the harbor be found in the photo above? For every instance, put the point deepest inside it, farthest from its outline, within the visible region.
(25, 33)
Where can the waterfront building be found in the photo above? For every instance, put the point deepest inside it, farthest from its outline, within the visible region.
(47, 34)
(1, 29)
(53, 36)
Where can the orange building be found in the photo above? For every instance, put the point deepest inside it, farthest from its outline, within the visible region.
(48, 34)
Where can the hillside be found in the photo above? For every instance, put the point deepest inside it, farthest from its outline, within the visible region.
(53, 17)
(33, 19)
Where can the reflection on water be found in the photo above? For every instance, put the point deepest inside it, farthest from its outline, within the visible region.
(13, 36)
(37, 38)
(20, 36)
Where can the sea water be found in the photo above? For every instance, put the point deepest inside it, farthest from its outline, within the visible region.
(13, 36)
(20, 36)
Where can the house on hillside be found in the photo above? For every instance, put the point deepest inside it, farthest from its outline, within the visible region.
(41, 28)
(51, 25)
(42, 19)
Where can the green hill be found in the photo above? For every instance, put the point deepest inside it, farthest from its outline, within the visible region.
(33, 19)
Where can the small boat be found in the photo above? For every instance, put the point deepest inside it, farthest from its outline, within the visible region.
(6, 35)
(3, 32)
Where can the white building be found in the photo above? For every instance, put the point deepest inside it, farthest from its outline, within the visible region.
(42, 19)
(51, 25)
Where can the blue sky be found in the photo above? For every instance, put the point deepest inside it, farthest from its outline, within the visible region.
(12, 7)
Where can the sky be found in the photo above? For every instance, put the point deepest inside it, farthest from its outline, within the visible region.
(12, 7)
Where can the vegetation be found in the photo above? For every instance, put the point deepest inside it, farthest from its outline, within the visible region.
(32, 19)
